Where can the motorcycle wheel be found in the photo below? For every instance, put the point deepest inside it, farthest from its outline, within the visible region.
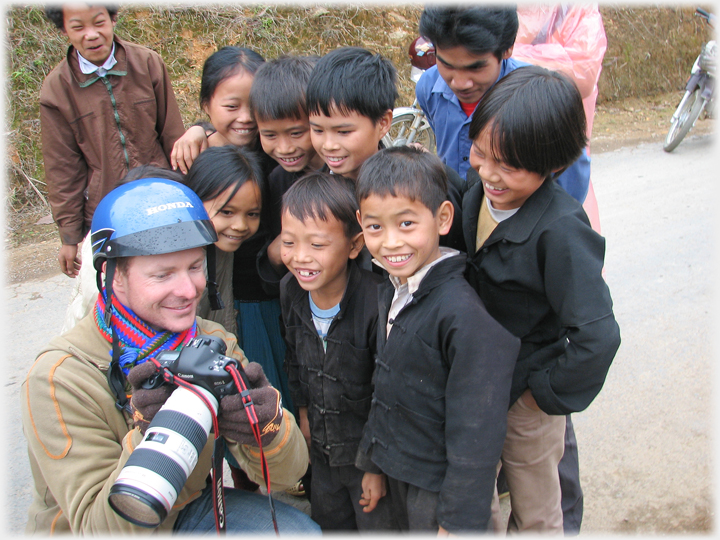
(688, 112)
(400, 131)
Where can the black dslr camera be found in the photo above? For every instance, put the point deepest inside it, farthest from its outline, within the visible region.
(201, 362)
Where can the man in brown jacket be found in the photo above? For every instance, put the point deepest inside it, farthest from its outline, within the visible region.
(107, 107)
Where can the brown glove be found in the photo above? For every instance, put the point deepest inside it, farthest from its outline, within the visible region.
(146, 402)
(233, 419)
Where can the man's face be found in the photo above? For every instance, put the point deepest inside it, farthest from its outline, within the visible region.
(468, 75)
(90, 30)
(345, 141)
(163, 290)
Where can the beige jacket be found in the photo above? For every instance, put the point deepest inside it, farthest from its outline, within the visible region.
(78, 441)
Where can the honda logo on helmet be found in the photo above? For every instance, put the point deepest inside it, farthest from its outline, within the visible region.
(168, 206)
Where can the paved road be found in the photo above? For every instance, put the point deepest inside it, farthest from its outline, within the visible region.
(645, 443)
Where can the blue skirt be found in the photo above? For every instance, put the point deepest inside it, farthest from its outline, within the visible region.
(259, 336)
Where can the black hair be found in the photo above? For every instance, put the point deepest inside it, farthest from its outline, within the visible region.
(54, 13)
(220, 168)
(535, 119)
(404, 171)
(278, 89)
(225, 63)
(150, 171)
(352, 79)
(479, 29)
(318, 195)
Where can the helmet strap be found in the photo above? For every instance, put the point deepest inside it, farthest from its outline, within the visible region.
(109, 278)
(115, 376)
(213, 293)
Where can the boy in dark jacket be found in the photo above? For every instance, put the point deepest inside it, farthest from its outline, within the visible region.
(444, 366)
(329, 308)
(537, 265)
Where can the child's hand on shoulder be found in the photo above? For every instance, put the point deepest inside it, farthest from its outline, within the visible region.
(374, 489)
(187, 148)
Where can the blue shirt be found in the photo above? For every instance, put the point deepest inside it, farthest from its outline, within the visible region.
(451, 126)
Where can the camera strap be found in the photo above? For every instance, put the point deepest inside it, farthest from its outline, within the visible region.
(217, 483)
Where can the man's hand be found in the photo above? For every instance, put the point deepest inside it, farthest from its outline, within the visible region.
(373, 486)
(146, 402)
(69, 260)
(233, 419)
(187, 148)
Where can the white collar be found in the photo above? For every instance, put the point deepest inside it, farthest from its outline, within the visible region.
(413, 282)
(88, 67)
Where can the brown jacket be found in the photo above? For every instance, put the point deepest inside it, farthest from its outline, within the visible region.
(92, 134)
(78, 441)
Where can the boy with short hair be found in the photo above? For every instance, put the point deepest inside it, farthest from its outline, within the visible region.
(473, 48)
(277, 102)
(537, 265)
(443, 368)
(107, 107)
(329, 308)
(350, 100)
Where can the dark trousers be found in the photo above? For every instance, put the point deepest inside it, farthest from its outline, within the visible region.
(335, 500)
(414, 508)
(569, 471)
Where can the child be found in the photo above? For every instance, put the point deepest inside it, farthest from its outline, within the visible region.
(277, 102)
(350, 99)
(329, 309)
(473, 48)
(106, 108)
(228, 181)
(227, 77)
(536, 264)
(443, 368)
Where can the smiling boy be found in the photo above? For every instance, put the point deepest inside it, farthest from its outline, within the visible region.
(107, 107)
(350, 99)
(443, 368)
(329, 309)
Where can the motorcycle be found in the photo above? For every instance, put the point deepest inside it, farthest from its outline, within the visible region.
(409, 124)
(699, 92)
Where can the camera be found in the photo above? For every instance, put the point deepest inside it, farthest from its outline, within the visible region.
(149, 483)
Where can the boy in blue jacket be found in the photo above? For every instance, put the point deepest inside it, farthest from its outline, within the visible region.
(443, 368)
(537, 265)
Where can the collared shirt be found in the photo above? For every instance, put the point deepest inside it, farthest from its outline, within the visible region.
(88, 67)
(404, 291)
(451, 126)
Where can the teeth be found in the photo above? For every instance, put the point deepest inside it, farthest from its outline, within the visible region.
(488, 186)
(307, 273)
(291, 161)
(398, 259)
(243, 131)
(334, 159)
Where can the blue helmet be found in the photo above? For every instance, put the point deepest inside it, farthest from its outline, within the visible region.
(150, 216)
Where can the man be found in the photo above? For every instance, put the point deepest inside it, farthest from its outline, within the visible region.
(82, 419)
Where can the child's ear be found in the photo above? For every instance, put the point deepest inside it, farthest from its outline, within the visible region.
(385, 122)
(507, 54)
(358, 241)
(359, 217)
(444, 215)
